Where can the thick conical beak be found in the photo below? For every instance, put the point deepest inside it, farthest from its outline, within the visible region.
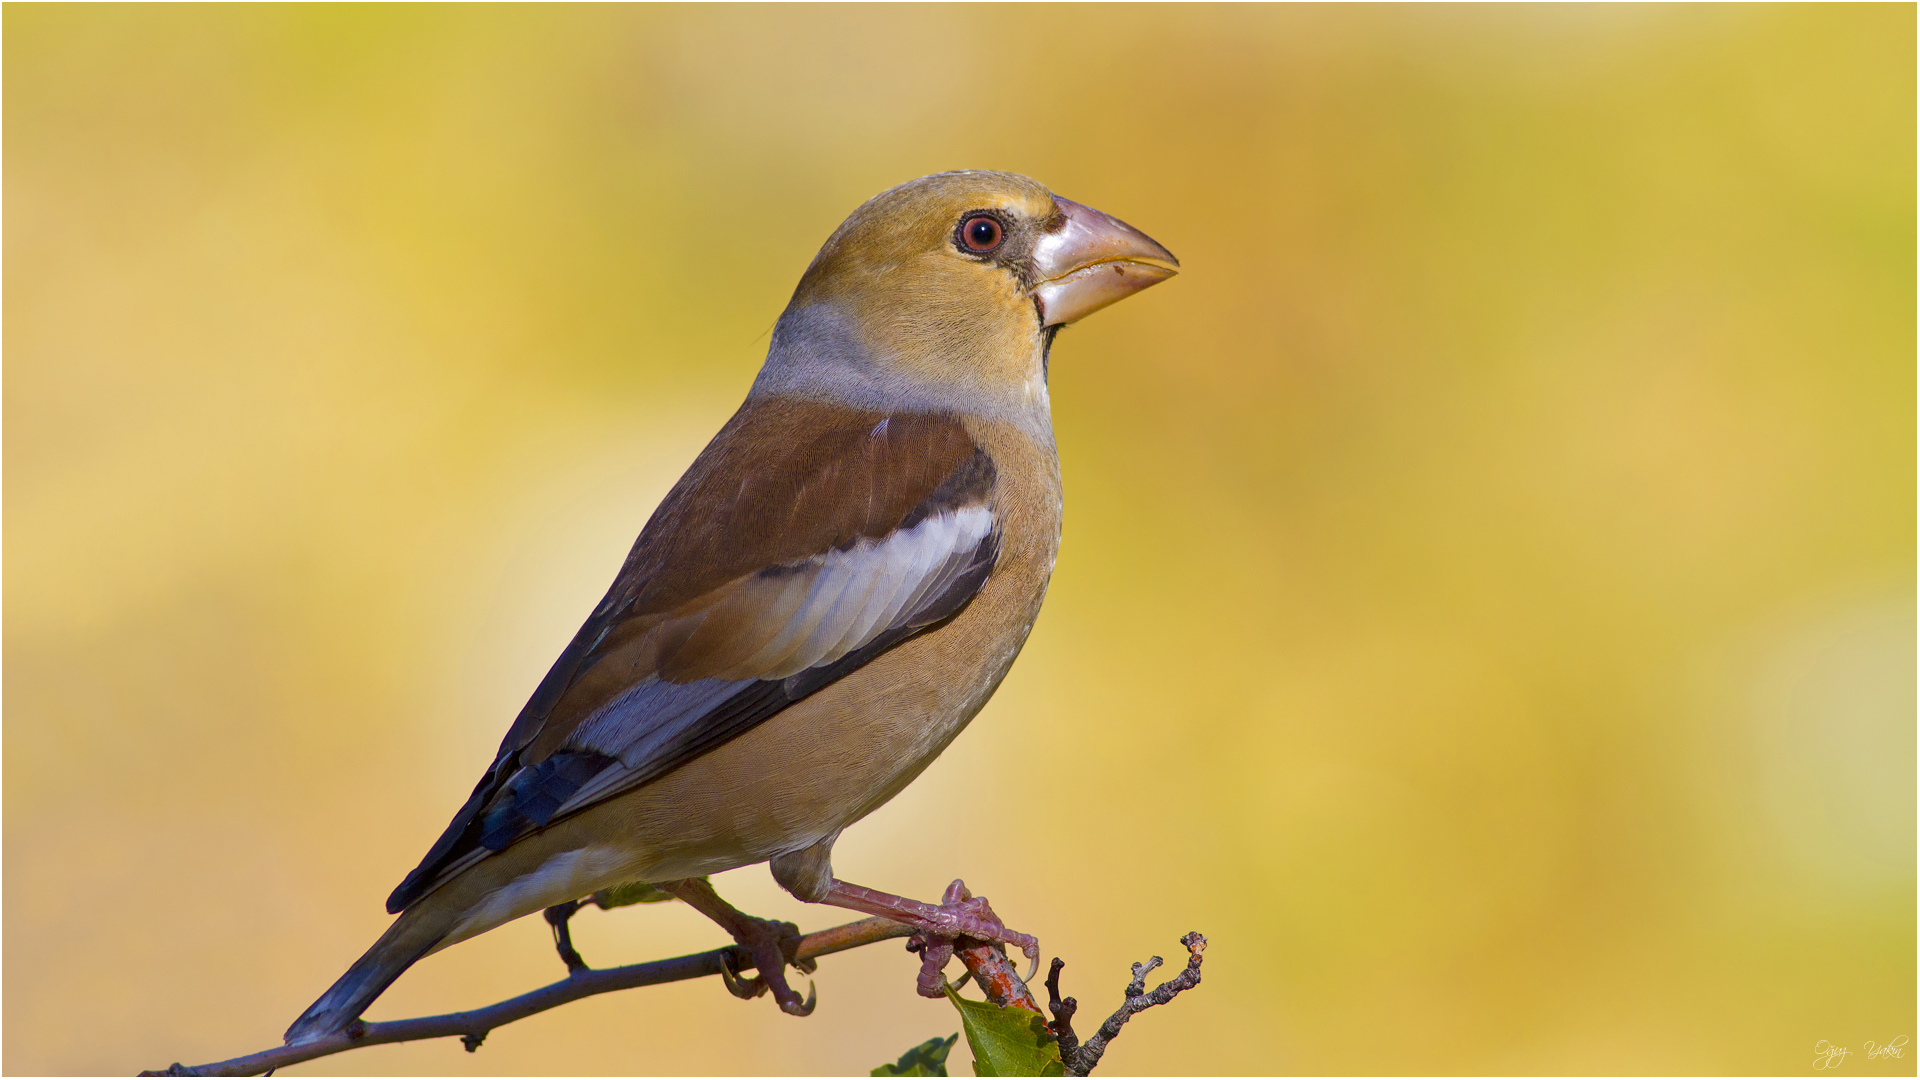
(1091, 260)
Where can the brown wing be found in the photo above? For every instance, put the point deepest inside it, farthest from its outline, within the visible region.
(805, 540)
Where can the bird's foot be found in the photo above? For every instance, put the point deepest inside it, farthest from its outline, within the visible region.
(770, 946)
(960, 914)
(558, 916)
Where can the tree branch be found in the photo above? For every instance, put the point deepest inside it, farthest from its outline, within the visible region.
(472, 1026)
(1080, 1058)
(998, 976)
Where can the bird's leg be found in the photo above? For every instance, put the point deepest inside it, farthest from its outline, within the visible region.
(769, 943)
(557, 917)
(959, 914)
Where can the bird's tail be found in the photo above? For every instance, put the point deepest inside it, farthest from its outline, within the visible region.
(412, 936)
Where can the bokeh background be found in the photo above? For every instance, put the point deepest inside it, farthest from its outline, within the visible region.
(1487, 604)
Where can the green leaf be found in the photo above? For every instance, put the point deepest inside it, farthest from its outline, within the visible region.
(633, 892)
(1007, 1041)
(927, 1059)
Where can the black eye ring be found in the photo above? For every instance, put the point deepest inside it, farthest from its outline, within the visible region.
(980, 234)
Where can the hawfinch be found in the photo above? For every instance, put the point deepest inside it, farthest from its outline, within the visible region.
(834, 588)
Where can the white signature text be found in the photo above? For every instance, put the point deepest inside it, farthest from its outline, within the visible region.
(1828, 1056)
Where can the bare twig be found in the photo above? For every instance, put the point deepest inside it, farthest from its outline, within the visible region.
(1080, 1059)
(1062, 1026)
(473, 1026)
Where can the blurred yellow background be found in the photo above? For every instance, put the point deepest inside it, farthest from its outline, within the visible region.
(1487, 604)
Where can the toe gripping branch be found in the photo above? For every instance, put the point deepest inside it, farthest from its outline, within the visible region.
(770, 952)
(974, 933)
(764, 945)
(959, 922)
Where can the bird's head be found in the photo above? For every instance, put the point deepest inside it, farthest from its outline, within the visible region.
(946, 292)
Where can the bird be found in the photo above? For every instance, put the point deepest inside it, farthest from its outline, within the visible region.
(816, 609)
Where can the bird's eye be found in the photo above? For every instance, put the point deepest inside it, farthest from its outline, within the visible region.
(981, 233)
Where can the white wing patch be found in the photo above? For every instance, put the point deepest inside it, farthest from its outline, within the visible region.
(809, 615)
(855, 594)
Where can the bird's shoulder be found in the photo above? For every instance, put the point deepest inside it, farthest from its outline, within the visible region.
(787, 479)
